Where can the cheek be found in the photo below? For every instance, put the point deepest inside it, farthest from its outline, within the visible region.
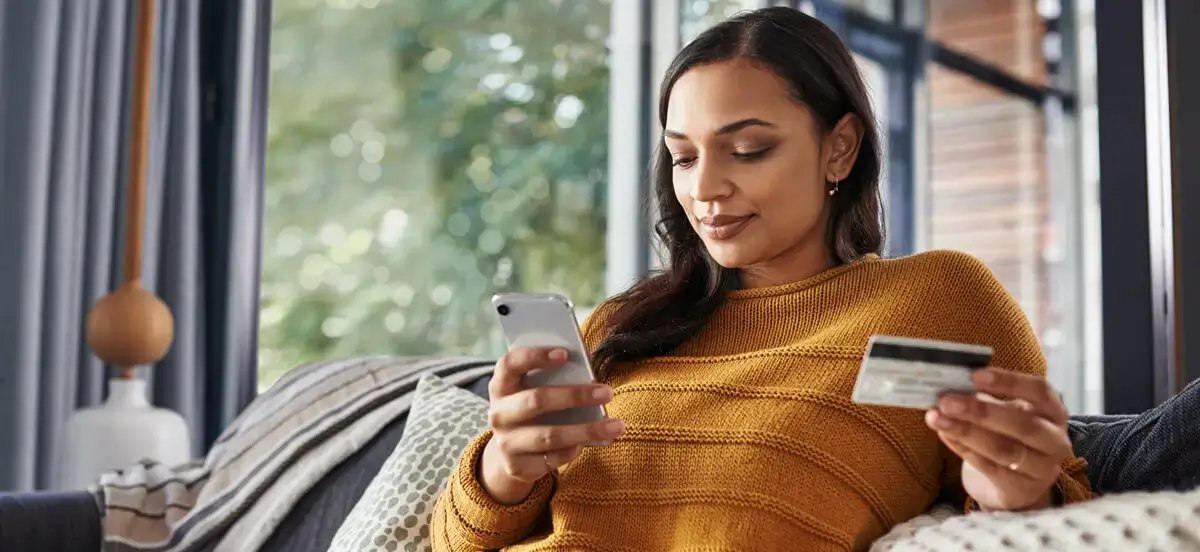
(790, 199)
(683, 190)
(782, 185)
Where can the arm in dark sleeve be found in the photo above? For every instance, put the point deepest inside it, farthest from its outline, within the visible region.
(1156, 450)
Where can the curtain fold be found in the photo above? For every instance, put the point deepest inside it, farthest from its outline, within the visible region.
(64, 94)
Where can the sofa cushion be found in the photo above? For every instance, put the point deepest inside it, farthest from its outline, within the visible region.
(312, 522)
(59, 521)
(394, 512)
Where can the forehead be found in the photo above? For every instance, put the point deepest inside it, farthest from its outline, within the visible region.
(709, 96)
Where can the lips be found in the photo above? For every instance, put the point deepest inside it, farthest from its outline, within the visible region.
(723, 227)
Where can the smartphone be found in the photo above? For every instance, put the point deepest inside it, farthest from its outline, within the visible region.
(913, 373)
(548, 320)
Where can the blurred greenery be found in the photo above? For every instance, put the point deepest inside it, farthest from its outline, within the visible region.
(697, 15)
(421, 156)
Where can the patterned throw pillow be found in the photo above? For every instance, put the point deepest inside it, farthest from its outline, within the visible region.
(393, 514)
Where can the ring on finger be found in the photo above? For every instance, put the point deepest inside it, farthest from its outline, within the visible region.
(1014, 466)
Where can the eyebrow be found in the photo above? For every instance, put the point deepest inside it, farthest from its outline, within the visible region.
(727, 129)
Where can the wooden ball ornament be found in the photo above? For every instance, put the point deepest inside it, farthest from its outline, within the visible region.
(130, 327)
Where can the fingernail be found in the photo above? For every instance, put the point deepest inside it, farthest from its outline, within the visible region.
(602, 393)
(614, 426)
(984, 377)
(941, 422)
(953, 405)
(558, 355)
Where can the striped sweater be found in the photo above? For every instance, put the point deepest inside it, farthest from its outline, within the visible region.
(745, 438)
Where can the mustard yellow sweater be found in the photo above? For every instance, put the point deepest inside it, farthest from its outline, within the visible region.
(745, 438)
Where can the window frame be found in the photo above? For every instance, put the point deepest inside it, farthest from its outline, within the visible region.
(631, 139)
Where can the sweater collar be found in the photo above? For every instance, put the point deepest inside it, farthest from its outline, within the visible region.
(784, 289)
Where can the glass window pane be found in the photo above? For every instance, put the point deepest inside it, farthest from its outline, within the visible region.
(989, 190)
(1006, 34)
(875, 75)
(422, 156)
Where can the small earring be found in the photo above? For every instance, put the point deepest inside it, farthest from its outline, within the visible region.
(835, 187)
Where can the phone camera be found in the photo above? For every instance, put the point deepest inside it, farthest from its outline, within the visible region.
(503, 310)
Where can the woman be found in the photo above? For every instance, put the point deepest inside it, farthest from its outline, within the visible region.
(728, 376)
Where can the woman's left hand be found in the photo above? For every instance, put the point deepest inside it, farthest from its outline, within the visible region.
(1012, 450)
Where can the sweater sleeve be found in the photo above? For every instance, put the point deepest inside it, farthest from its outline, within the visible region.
(990, 316)
(466, 518)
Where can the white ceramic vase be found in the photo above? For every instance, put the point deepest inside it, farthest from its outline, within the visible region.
(118, 434)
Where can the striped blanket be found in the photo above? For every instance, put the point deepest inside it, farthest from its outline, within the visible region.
(286, 441)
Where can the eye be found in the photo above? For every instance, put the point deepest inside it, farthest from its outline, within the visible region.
(683, 162)
(753, 155)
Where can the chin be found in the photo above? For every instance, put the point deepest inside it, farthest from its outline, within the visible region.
(730, 255)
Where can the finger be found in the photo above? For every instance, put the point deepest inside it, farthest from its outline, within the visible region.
(993, 447)
(1015, 420)
(981, 463)
(539, 439)
(533, 466)
(1035, 390)
(555, 459)
(524, 406)
(506, 378)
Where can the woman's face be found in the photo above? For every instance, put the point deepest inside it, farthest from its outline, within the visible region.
(753, 169)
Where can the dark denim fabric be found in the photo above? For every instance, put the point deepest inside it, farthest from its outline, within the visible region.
(1155, 450)
(39, 522)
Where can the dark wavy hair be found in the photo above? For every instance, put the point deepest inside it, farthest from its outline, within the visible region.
(665, 309)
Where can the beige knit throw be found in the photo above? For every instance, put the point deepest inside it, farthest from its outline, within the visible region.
(1166, 521)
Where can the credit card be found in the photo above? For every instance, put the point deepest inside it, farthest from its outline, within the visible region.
(912, 373)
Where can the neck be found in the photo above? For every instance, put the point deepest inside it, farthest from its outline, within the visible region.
(801, 263)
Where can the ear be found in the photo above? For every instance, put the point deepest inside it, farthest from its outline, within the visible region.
(841, 147)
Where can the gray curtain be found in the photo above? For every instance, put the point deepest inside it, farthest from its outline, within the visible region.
(64, 90)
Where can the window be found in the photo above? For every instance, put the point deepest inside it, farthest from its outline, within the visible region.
(421, 156)
(875, 76)
(999, 186)
(987, 182)
(1008, 35)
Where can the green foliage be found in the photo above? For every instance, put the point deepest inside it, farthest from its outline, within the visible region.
(423, 155)
(697, 15)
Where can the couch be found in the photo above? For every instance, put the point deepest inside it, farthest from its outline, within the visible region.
(1154, 451)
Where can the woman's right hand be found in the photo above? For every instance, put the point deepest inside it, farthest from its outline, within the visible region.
(519, 452)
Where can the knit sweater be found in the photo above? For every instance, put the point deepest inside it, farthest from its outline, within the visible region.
(745, 437)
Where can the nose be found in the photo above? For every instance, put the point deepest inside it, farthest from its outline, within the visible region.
(710, 183)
